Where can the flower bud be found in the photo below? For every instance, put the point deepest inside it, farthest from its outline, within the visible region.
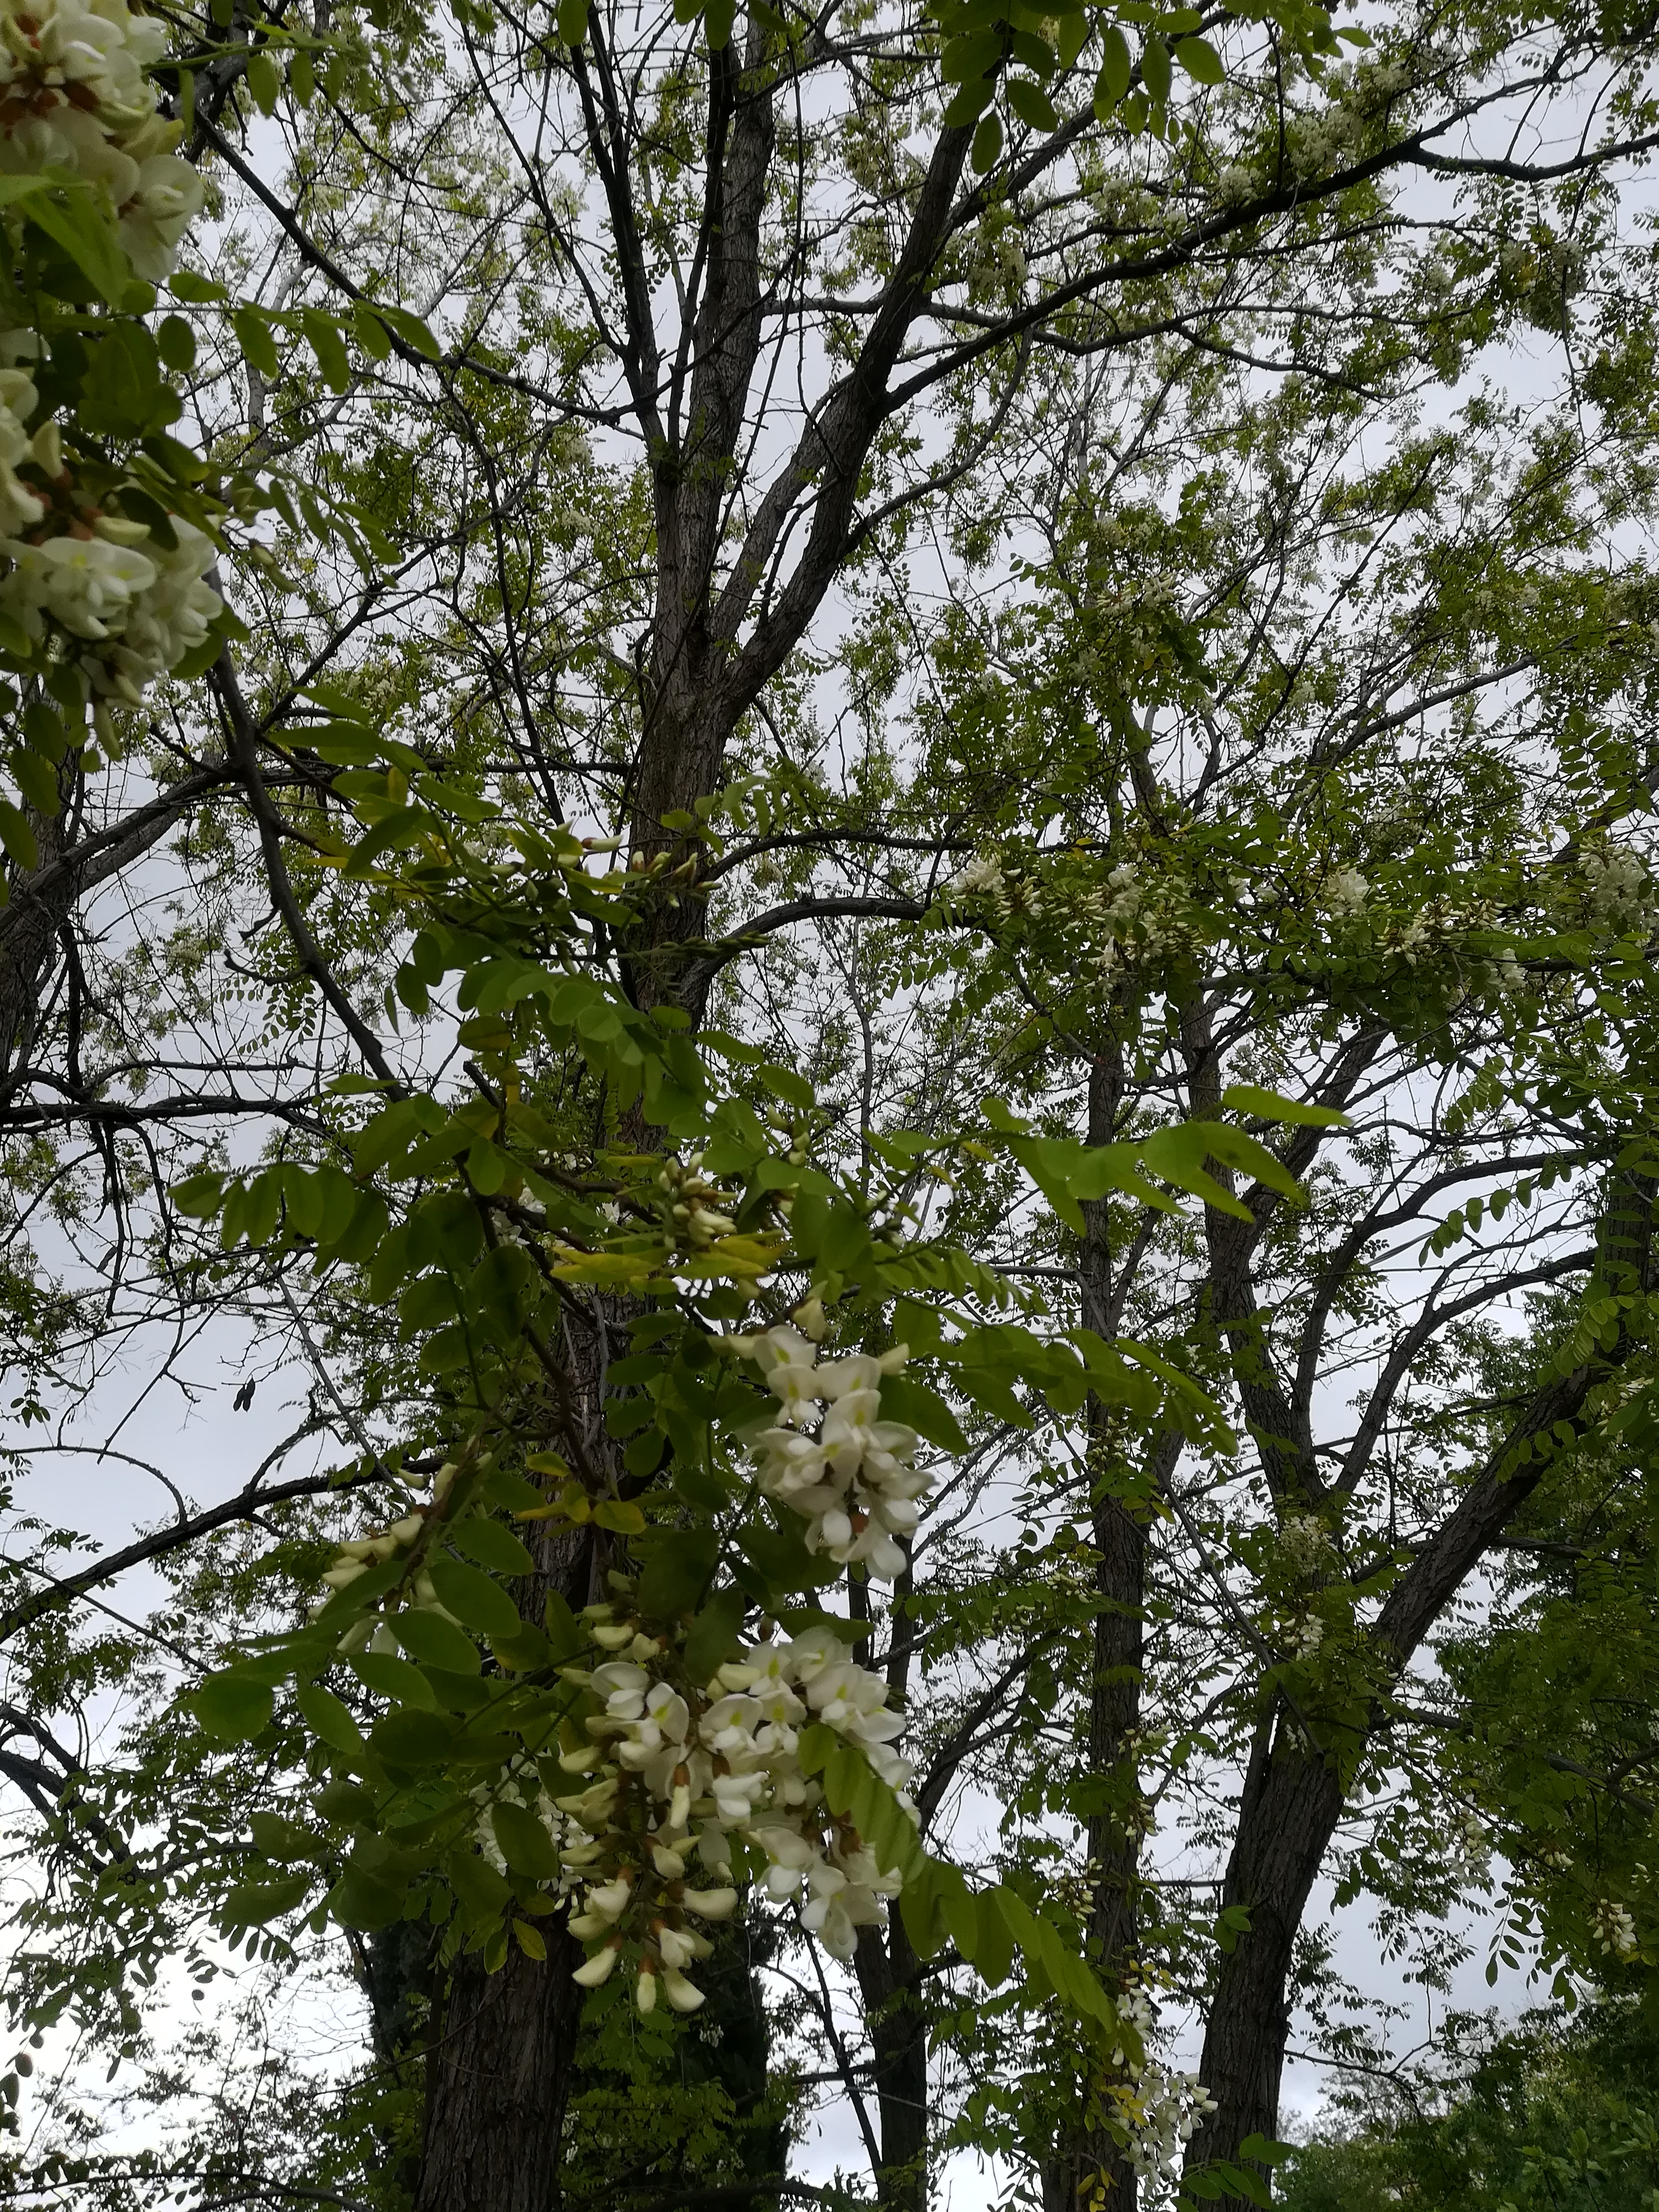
(612, 1899)
(677, 1947)
(47, 447)
(119, 531)
(597, 1969)
(683, 1996)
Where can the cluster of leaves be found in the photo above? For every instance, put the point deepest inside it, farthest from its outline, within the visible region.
(1551, 2111)
(475, 1266)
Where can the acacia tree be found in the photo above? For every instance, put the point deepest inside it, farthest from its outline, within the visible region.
(591, 528)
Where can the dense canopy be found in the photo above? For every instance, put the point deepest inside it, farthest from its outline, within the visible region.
(828, 1066)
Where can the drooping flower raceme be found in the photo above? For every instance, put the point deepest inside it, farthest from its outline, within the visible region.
(830, 1456)
(125, 601)
(679, 1773)
(1615, 1928)
(1156, 2110)
(75, 95)
(1167, 2109)
(116, 585)
(20, 505)
(677, 1777)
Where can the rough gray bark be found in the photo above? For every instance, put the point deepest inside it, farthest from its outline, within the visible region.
(502, 2053)
(498, 2075)
(503, 2045)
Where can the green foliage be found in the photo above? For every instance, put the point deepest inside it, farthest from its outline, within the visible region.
(1551, 2112)
(1254, 820)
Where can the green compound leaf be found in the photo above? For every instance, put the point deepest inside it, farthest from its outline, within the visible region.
(491, 1545)
(234, 1705)
(474, 1597)
(251, 1904)
(525, 1845)
(429, 1638)
(1200, 60)
(1031, 104)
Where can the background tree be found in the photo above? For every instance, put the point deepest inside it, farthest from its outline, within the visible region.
(1548, 2111)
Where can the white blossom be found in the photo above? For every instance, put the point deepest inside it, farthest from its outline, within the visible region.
(981, 878)
(75, 95)
(673, 1770)
(115, 586)
(1310, 1634)
(1157, 2111)
(1616, 1929)
(20, 505)
(1345, 892)
(689, 1770)
(853, 1482)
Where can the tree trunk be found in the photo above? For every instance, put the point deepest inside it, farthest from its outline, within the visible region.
(498, 2075)
(1293, 1794)
(502, 2048)
(1293, 1800)
(889, 1974)
(495, 2105)
(1087, 2158)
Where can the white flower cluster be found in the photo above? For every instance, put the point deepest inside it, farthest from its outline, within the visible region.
(1159, 2110)
(1134, 928)
(1616, 1929)
(982, 878)
(1171, 2108)
(1345, 892)
(1304, 1542)
(372, 1632)
(997, 268)
(679, 1771)
(675, 1770)
(21, 505)
(1307, 1634)
(1234, 184)
(1322, 140)
(111, 584)
(1469, 1848)
(1380, 81)
(846, 1471)
(1618, 889)
(75, 95)
(1128, 917)
(1432, 927)
(696, 1221)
